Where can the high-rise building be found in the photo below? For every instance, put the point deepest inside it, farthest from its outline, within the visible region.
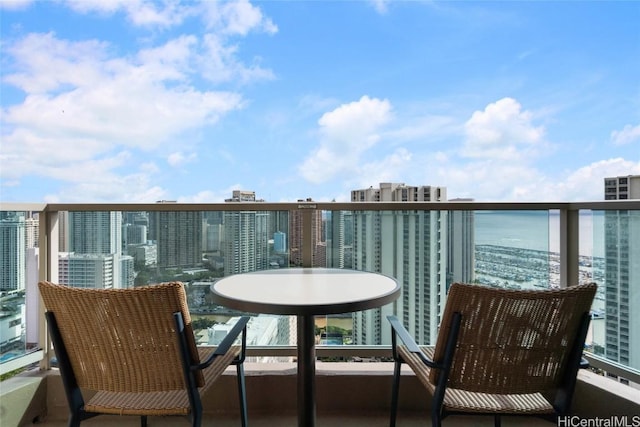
(318, 256)
(134, 235)
(178, 236)
(95, 232)
(87, 270)
(411, 246)
(246, 237)
(63, 231)
(622, 273)
(213, 236)
(95, 248)
(339, 239)
(279, 242)
(622, 187)
(461, 246)
(32, 228)
(13, 248)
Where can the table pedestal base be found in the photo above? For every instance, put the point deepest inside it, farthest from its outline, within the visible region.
(306, 371)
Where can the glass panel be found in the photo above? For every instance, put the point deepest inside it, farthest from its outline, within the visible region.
(615, 332)
(18, 277)
(127, 249)
(426, 251)
(512, 249)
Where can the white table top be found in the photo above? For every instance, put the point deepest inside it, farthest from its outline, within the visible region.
(305, 291)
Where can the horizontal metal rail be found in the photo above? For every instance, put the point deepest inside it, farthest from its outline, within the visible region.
(325, 206)
(338, 351)
(613, 368)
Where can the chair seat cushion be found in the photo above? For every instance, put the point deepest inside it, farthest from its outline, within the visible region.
(174, 402)
(456, 400)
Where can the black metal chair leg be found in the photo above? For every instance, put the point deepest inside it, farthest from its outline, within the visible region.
(436, 419)
(74, 420)
(242, 394)
(395, 391)
(196, 417)
(143, 421)
(497, 421)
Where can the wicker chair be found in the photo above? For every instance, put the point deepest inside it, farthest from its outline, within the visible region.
(133, 352)
(499, 351)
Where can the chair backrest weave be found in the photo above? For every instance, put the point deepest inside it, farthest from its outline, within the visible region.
(511, 341)
(122, 340)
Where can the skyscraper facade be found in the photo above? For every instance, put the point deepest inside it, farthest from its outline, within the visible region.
(622, 273)
(318, 256)
(178, 236)
(13, 248)
(461, 246)
(246, 237)
(95, 248)
(339, 239)
(88, 270)
(95, 232)
(408, 245)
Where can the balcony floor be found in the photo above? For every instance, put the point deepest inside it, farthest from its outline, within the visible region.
(270, 420)
(349, 395)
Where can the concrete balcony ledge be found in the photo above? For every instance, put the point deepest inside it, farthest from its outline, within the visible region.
(352, 390)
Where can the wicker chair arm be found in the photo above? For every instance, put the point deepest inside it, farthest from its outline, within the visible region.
(227, 342)
(400, 331)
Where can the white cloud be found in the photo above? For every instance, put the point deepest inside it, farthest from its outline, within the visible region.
(43, 63)
(487, 180)
(15, 4)
(100, 181)
(83, 104)
(236, 18)
(380, 6)
(138, 12)
(208, 196)
(112, 189)
(490, 180)
(219, 64)
(587, 182)
(346, 133)
(392, 168)
(502, 131)
(179, 158)
(232, 18)
(627, 135)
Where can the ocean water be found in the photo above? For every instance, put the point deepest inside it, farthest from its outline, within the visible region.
(537, 230)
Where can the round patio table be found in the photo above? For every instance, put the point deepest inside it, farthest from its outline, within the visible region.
(305, 293)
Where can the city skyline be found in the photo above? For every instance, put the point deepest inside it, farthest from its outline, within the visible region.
(141, 101)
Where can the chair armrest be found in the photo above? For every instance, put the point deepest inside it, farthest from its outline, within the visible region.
(406, 338)
(227, 342)
(584, 363)
(403, 334)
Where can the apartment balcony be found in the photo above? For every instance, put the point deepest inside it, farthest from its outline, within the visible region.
(590, 241)
(348, 395)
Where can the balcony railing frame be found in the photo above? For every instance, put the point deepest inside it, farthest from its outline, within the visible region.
(568, 248)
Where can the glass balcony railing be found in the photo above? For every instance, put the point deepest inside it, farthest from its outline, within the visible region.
(425, 246)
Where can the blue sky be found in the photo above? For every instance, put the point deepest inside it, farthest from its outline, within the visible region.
(137, 101)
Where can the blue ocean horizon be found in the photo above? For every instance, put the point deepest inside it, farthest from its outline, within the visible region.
(537, 230)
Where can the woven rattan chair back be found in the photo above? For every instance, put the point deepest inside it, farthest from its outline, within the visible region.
(511, 341)
(122, 340)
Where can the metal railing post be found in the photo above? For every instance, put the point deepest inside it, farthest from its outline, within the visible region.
(48, 242)
(569, 247)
